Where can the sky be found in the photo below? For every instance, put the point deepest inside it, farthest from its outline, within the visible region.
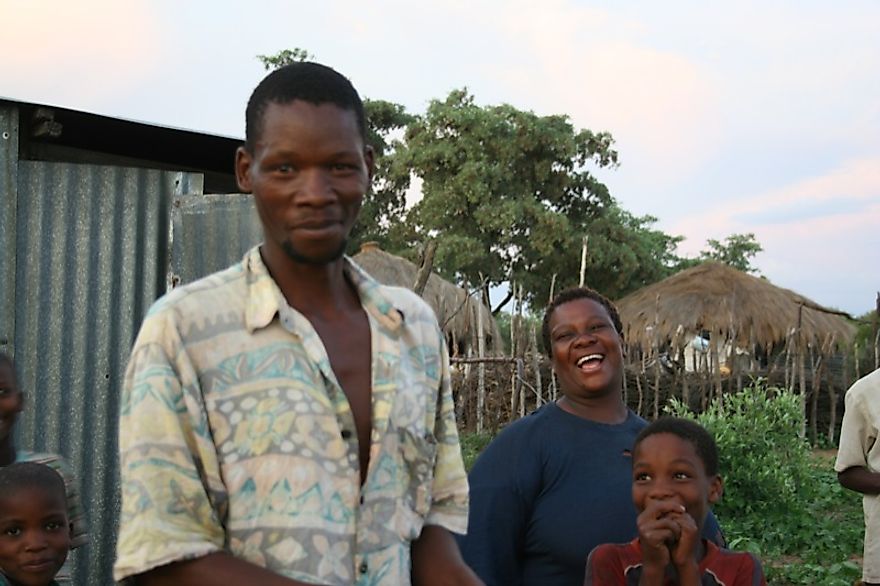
(729, 117)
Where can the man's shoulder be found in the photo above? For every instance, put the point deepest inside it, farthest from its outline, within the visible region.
(207, 295)
(407, 302)
(868, 385)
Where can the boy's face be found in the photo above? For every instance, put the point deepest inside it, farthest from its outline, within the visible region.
(667, 467)
(34, 536)
(10, 400)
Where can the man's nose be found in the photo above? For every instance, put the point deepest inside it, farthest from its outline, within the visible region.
(314, 188)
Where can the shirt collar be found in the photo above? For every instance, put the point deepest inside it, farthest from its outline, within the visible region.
(264, 298)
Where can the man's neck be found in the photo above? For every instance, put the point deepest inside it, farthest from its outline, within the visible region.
(313, 290)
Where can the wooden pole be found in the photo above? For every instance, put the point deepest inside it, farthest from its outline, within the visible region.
(802, 379)
(536, 365)
(481, 367)
(584, 259)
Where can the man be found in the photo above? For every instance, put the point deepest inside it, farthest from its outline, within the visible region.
(858, 463)
(289, 420)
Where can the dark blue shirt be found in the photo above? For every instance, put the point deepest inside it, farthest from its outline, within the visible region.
(550, 488)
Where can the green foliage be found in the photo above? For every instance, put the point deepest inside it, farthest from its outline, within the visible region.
(779, 501)
(472, 445)
(737, 251)
(284, 57)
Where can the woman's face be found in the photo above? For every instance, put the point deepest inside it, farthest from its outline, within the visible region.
(586, 352)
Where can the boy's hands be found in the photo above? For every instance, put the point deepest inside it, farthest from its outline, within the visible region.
(668, 534)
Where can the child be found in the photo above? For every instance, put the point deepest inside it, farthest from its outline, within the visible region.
(34, 528)
(11, 404)
(675, 480)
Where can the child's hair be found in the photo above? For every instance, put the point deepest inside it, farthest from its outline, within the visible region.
(29, 475)
(689, 431)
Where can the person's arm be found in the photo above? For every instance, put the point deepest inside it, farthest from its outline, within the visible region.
(214, 568)
(436, 560)
(860, 479)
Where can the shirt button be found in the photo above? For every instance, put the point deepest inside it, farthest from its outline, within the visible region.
(346, 434)
(363, 568)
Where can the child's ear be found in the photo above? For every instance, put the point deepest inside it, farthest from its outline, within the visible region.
(716, 489)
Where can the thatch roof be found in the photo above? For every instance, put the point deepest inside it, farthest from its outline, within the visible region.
(715, 297)
(455, 310)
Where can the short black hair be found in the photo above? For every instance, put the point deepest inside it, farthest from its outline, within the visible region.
(310, 82)
(29, 475)
(574, 294)
(690, 431)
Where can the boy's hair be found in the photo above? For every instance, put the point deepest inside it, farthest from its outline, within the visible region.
(573, 294)
(310, 82)
(29, 475)
(689, 431)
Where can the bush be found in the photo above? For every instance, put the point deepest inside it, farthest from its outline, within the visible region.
(763, 459)
(780, 502)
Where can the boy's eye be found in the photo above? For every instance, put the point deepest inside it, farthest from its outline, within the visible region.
(12, 531)
(53, 526)
(681, 476)
(642, 477)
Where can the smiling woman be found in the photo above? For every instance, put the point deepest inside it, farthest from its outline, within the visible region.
(557, 483)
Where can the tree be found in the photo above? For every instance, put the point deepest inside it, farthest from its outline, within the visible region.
(509, 196)
(284, 57)
(737, 251)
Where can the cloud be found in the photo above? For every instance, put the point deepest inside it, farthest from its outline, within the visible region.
(96, 46)
(597, 67)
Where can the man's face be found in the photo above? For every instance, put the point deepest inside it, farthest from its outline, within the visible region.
(309, 171)
(34, 536)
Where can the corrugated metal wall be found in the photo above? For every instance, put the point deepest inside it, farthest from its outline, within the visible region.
(211, 232)
(91, 249)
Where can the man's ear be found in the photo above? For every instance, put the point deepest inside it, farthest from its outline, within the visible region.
(716, 489)
(370, 160)
(243, 162)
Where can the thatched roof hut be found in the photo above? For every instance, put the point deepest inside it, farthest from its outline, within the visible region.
(732, 304)
(455, 309)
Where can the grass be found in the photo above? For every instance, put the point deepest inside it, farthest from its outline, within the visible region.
(817, 542)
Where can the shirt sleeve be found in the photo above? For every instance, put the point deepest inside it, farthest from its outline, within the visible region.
(449, 493)
(604, 567)
(857, 434)
(173, 499)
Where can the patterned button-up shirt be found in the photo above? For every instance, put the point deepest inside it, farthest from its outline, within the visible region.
(235, 435)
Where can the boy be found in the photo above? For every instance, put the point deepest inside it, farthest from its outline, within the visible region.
(11, 404)
(35, 531)
(675, 480)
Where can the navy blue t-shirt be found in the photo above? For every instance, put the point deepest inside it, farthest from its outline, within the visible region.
(550, 488)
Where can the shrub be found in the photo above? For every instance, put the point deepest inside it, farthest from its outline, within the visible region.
(763, 459)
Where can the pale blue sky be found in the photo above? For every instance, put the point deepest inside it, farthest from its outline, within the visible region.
(743, 116)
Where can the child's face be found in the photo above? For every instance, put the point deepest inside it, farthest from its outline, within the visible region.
(34, 536)
(10, 400)
(667, 467)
